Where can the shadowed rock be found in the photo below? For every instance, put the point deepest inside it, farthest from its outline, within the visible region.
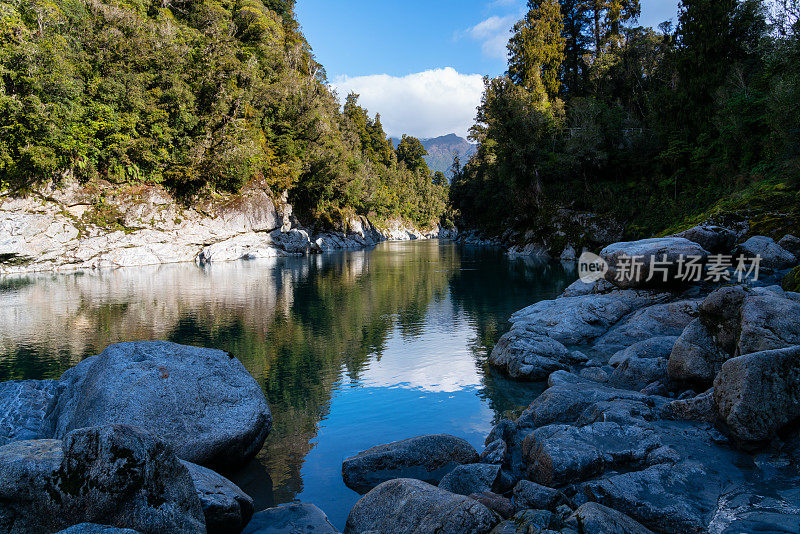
(772, 255)
(758, 394)
(226, 507)
(471, 478)
(593, 518)
(696, 358)
(426, 458)
(290, 518)
(115, 475)
(715, 239)
(648, 253)
(411, 506)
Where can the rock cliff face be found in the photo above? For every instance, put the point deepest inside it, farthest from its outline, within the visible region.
(86, 226)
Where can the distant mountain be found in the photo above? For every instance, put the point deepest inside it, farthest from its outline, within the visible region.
(442, 149)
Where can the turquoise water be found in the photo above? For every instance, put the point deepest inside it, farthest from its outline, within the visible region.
(352, 349)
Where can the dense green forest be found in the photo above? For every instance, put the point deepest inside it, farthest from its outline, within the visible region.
(650, 126)
(202, 96)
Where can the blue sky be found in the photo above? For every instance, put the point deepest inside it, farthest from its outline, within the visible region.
(419, 63)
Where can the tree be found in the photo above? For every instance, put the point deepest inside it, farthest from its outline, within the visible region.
(608, 16)
(536, 50)
(411, 152)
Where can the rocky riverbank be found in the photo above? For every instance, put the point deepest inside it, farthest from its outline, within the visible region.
(671, 407)
(76, 226)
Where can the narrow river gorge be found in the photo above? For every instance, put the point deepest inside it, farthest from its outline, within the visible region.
(352, 349)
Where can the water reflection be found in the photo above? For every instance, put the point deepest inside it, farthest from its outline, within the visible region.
(352, 349)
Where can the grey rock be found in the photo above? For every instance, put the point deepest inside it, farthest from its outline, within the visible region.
(790, 243)
(530, 522)
(720, 312)
(294, 241)
(580, 288)
(699, 408)
(226, 507)
(411, 506)
(471, 478)
(758, 394)
(494, 453)
(772, 255)
(426, 458)
(660, 320)
(290, 519)
(768, 321)
(654, 347)
(527, 355)
(578, 320)
(696, 357)
(557, 455)
(94, 528)
(593, 518)
(647, 252)
(23, 407)
(586, 402)
(663, 498)
(116, 475)
(715, 239)
(530, 495)
(494, 502)
(595, 374)
(201, 401)
(637, 373)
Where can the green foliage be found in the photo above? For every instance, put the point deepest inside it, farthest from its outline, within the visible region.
(791, 282)
(536, 50)
(654, 127)
(200, 96)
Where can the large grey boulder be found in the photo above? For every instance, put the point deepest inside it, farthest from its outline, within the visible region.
(637, 373)
(586, 402)
(94, 528)
(531, 356)
(663, 498)
(472, 478)
(557, 455)
(290, 519)
(411, 506)
(758, 394)
(294, 241)
(226, 507)
(579, 320)
(427, 458)
(593, 518)
(698, 408)
(696, 358)
(23, 407)
(114, 475)
(772, 255)
(720, 314)
(661, 320)
(530, 495)
(200, 401)
(715, 239)
(654, 347)
(658, 259)
(790, 243)
(768, 321)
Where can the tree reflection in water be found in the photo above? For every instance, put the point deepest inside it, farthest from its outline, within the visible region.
(352, 349)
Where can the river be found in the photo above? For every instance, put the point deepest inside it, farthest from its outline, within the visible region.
(352, 349)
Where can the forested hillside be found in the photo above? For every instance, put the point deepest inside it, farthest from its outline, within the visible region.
(202, 96)
(650, 126)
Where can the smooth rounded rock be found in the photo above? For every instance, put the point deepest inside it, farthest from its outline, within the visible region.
(200, 401)
(290, 519)
(226, 507)
(427, 458)
(115, 475)
(593, 518)
(657, 259)
(471, 478)
(772, 255)
(406, 506)
(758, 394)
(715, 239)
(23, 408)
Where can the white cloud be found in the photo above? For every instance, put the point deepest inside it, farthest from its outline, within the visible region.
(425, 104)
